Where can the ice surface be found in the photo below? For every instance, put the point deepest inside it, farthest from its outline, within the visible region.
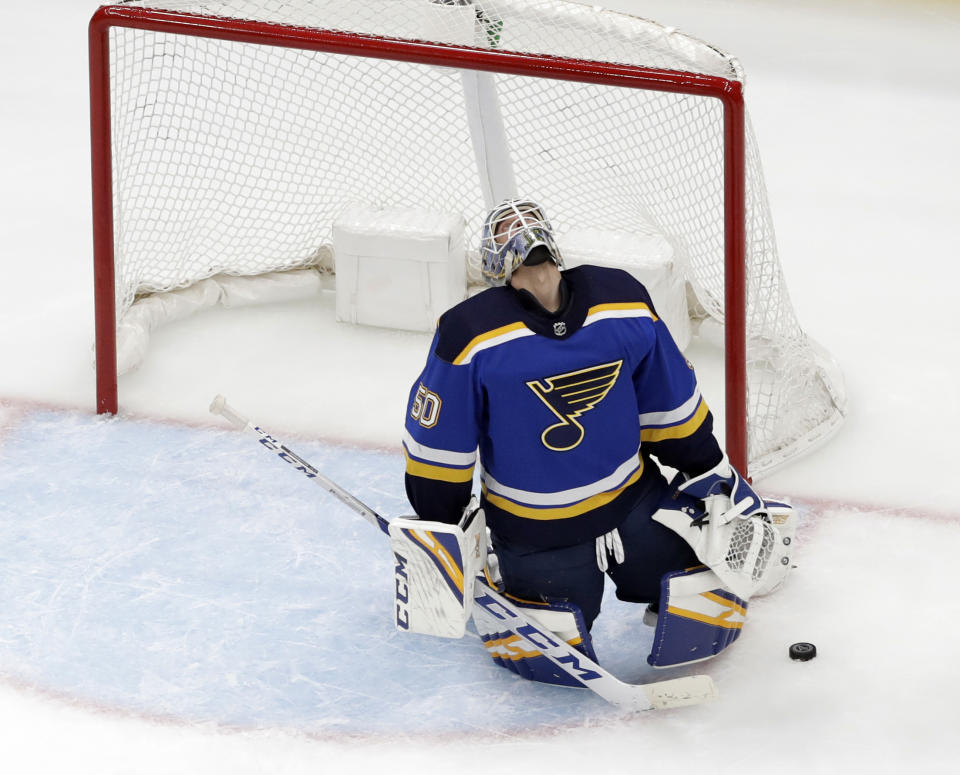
(196, 577)
(161, 615)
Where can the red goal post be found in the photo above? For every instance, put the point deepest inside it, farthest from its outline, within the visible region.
(166, 19)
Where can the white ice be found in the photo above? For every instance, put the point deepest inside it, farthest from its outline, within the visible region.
(856, 106)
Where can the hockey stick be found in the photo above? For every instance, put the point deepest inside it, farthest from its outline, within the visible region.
(672, 693)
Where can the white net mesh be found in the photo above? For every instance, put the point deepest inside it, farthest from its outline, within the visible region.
(237, 158)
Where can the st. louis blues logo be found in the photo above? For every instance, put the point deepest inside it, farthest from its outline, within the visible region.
(570, 395)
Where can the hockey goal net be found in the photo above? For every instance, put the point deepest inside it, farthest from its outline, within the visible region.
(228, 137)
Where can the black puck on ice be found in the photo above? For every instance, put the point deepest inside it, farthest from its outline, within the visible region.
(803, 652)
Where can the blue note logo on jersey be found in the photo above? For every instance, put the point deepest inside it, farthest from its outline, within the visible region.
(568, 396)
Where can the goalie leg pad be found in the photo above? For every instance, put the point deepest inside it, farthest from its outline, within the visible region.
(698, 618)
(522, 656)
(436, 564)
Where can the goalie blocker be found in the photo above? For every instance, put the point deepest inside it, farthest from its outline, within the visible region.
(436, 564)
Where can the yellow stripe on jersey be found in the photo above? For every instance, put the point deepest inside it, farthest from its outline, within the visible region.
(640, 308)
(437, 473)
(487, 339)
(562, 512)
(680, 431)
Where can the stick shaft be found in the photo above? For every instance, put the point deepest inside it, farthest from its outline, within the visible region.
(221, 407)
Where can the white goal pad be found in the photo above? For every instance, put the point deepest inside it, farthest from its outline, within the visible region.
(436, 564)
(398, 268)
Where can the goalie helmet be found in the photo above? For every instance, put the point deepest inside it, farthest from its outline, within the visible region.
(515, 232)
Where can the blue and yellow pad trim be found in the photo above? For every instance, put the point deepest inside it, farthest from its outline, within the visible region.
(698, 618)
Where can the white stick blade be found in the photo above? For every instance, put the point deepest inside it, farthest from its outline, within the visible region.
(218, 404)
(678, 692)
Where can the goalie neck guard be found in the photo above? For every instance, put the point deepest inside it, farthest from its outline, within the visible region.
(515, 232)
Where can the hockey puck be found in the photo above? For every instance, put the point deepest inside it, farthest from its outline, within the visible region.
(803, 652)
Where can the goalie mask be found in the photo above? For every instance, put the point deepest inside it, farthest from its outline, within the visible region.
(515, 232)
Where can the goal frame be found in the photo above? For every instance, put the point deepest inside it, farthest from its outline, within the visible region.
(729, 92)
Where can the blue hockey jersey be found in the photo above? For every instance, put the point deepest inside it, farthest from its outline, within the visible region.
(562, 410)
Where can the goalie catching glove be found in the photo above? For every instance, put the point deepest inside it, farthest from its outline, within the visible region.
(745, 540)
(436, 564)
